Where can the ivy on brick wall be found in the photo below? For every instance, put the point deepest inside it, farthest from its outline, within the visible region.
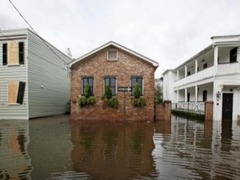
(138, 100)
(108, 99)
(86, 99)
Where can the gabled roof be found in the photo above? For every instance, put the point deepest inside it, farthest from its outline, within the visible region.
(111, 43)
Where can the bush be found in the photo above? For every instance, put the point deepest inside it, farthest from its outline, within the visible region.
(137, 92)
(86, 101)
(140, 102)
(108, 99)
(113, 102)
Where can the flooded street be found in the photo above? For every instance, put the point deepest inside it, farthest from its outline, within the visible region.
(55, 148)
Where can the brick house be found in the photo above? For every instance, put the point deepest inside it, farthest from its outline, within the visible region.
(117, 66)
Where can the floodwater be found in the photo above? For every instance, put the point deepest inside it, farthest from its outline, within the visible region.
(55, 148)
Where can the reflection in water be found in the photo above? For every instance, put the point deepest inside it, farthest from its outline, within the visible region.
(15, 162)
(50, 146)
(113, 150)
(55, 148)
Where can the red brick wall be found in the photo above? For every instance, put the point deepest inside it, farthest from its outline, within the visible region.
(123, 69)
(208, 111)
(163, 111)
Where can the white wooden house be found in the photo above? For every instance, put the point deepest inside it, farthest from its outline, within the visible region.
(34, 80)
(211, 75)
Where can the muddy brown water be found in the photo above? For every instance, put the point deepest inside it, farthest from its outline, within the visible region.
(55, 148)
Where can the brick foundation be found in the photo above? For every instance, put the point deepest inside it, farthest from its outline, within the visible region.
(163, 111)
(208, 111)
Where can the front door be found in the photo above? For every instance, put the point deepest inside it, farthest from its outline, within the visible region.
(227, 107)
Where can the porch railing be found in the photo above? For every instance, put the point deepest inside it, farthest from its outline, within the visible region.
(194, 107)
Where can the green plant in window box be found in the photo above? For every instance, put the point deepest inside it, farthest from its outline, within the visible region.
(86, 99)
(108, 99)
(138, 100)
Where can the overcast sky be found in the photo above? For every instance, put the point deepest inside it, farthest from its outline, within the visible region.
(167, 31)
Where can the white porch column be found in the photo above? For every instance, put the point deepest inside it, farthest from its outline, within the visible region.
(196, 66)
(196, 93)
(185, 94)
(177, 95)
(185, 71)
(177, 75)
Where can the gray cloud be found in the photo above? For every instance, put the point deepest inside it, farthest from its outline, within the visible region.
(168, 31)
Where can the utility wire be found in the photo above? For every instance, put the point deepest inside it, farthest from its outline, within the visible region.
(65, 63)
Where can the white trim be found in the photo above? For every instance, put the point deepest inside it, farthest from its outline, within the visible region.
(111, 43)
(26, 53)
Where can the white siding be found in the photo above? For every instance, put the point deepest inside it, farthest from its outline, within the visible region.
(12, 73)
(49, 82)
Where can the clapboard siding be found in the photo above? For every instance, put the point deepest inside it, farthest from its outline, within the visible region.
(12, 73)
(48, 80)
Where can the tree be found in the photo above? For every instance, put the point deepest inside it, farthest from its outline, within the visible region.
(137, 92)
(158, 95)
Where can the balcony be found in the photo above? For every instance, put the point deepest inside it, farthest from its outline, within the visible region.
(228, 68)
(203, 75)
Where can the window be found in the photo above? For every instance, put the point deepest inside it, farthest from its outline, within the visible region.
(189, 73)
(233, 55)
(205, 66)
(138, 80)
(188, 97)
(13, 53)
(112, 55)
(111, 81)
(16, 92)
(204, 95)
(87, 81)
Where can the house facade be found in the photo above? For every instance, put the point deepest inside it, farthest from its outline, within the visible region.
(34, 79)
(119, 68)
(211, 75)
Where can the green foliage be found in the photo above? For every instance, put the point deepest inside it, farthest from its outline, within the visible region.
(137, 92)
(87, 91)
(108, 92)
(86, 101)
(108, 99)
(158, 95)
(139, 102)
(112, 102)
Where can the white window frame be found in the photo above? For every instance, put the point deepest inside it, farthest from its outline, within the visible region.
(112, 59)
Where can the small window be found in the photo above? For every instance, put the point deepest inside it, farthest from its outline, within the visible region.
(112, 55)
(233, 55)
(204, 95)
(87, 81)
(205, 66)
(13, 53)
(111, 81)
(138, 80)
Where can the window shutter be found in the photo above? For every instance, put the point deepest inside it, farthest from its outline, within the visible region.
(4, 53)
(21, 52)
(21, 92)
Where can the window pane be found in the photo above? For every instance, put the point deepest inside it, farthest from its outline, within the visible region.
(135, 80)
